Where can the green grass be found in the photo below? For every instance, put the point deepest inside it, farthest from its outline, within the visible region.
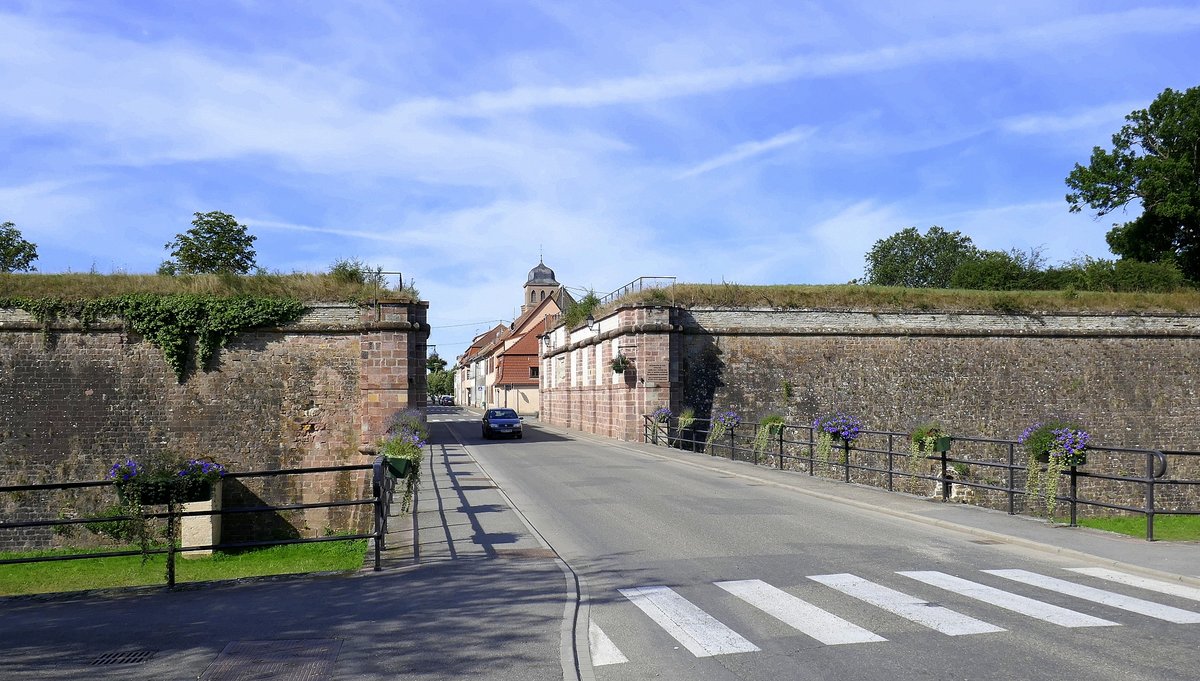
(1166, 527)
(103, 573)
(299, 286)
(896, 299)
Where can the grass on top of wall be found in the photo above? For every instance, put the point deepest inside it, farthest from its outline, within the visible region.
(899, 299)
(104, 573)
(322, 287)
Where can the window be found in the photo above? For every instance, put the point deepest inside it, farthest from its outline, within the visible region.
(543, 295)
(533, 296)
(533, 372)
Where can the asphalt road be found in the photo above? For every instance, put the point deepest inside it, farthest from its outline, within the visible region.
(690, 573)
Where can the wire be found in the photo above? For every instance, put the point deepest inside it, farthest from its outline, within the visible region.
(456, 326)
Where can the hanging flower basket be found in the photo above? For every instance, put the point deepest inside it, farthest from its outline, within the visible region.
(620, 363)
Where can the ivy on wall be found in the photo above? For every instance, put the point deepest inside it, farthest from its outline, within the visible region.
(170, 322)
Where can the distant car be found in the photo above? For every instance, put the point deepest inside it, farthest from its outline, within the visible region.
(501, 422)
(447, 401)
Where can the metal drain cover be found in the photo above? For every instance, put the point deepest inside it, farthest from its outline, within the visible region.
(124, 657)
(295, 660)
(985, 542)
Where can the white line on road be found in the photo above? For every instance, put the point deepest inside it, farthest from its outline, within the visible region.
(1009, 601)
(604, 651)
(910, 608)
(1180, 590)
(1115, 600)
(695, 629)
(798, 614)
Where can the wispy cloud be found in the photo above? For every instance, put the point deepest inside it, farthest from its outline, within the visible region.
(748, 150)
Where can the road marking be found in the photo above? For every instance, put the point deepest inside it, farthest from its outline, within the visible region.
(1115, 600)
(910, 608)
(798, 614)
(695, 629)
(604, 651)
(1009, 601)
(1180, 590)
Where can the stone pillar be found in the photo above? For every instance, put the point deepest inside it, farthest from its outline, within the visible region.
(392, 373)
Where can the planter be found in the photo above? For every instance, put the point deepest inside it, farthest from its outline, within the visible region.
(942, 444)
(1068, 461)
(399, 466)
(156, 491)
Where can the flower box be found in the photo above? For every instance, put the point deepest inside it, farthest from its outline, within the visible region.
(150, 491)
(398, 465)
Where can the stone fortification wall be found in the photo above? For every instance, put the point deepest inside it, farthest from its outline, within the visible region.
(1133, 380)
(312, 393)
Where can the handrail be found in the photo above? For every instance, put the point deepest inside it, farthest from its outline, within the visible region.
(803, 450)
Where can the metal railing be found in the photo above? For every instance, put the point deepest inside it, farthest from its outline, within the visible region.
(383, 486)
(1126, 480)
(638, 285)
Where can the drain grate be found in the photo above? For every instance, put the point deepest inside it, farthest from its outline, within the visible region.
(471, 487)
(123, 657)
(294, 660)
(985, 542)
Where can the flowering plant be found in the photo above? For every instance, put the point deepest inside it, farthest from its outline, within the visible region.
(722, 423)
(840, 426)
(404, 449)
(1058, 444)
(620, 363)
(661, 414)
(729, 419)
(158, 482)
(837, 426)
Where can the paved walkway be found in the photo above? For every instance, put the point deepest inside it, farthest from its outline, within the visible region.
(467, 591)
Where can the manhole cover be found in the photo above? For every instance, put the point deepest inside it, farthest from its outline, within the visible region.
(124, 657)
(295, 660)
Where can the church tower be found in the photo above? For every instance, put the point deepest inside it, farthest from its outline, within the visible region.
(539, 286)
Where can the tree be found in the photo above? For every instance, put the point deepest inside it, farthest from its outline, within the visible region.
(907, 258)
(435, 363)
(216, 243)
(1155, 162)
(16, 254)
(1013, 270)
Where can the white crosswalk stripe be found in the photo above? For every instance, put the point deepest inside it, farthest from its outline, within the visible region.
(1009, 601)
(1170, 588)
(1122, 602)
(705, 636)
(604, 651)
(910, 608)
(695, 629)
(798, 614)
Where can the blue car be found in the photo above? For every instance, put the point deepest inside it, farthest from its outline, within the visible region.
(501, 422)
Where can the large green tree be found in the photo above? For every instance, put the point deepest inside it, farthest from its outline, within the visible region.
(216, 244)
(16, 254)
(908, 258)
(1155, 163)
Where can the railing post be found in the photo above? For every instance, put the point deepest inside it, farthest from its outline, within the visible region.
(1150, 496)
(1012, 480)
(812, 460)
(945, 480)
(1074, 494)
(732, 443)
(780, 457)
(170, 539)
(378, 482)
(891, 443)
(846, 458)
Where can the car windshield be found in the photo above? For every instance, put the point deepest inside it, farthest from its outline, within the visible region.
(502, 414)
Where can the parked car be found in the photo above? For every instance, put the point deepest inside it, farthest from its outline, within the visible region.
(501, 422)
(447, 401)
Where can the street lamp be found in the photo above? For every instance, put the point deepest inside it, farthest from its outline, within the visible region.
(591, 321)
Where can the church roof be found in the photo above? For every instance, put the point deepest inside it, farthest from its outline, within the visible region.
(541, 276)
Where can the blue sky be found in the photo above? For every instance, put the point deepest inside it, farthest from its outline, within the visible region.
(751, 142)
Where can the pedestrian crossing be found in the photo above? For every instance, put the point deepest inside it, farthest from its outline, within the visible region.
(703, 635)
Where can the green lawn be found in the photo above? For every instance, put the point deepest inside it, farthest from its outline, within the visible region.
(1166, 527)
(100, 573)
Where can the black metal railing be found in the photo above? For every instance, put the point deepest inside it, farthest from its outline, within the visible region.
(637, 286)
(383, 486)
(1121, 479)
